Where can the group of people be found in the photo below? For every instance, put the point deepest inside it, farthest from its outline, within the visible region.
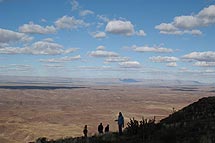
(120, 122)
(100, 128)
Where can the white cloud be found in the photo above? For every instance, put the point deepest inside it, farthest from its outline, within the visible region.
(75, 5)
(171, 61)
(204, 64)
(151, 49)
(102, 53)
(140, 33)
(178, 32)
(103, 18)
(172, 64)
(86, 12)
(130, 64)
(8, 36)
(35, 28)
(99, 25)
(116, 59)
(98, 34)
(208, 56)
(38, 48)
(168, 28)
(183, 24)
(67, 22)
(186, 22)
(48, 40)
(120, 27)
(160, 59)
(44, 48)
(60, 60)
(100, 48)
(43, 20)
(193, 32)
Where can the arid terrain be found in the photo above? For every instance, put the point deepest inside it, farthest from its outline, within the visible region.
(29, 113)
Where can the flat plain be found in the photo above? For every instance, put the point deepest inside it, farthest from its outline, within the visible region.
(29, 112)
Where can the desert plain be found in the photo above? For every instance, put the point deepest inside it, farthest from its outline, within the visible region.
(28, 113)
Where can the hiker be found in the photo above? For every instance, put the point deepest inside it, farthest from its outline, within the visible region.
(85, 131)
(100, 128)
(107, 128)
(120, 122)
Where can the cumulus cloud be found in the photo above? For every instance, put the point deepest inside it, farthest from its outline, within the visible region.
(8, 36)
(171, 61)
(116, 59)
(208, 56)
(43, 20)
(186, 22)
(98, 34)
(120, 27)
(183, 24)
(38, 48)
(103, 18)
(204, 64)
(61, 60)
(75, 5)
(172, 64)
(67, 22)
(160, 59)
(100, 48)
(167, 28)
(103, 53)
(193, 32)
(130, 64)
(36, 29)
(151, 49)
(140, 33)
(85, 12)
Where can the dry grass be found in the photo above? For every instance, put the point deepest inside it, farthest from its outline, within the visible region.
(28, 114)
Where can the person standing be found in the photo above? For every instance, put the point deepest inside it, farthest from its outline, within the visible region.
(85, 131)
(107, 128)
(120, 122)
(100, 128)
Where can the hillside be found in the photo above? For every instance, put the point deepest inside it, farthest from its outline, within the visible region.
(192, 124)
(195, 122)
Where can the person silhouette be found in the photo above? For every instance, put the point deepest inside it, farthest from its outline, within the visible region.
(120, 122)
(107, 128)
(100, 128)
(85, 131)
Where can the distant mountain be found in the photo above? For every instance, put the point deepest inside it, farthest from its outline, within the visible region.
(67, 81)
(128, 80)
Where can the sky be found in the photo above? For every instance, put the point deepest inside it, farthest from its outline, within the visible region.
(140, 39)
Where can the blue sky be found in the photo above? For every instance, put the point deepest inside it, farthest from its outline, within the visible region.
(144, 39)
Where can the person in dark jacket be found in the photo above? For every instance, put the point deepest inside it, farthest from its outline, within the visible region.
(107, 128)
(100, 128)
(85, 131)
